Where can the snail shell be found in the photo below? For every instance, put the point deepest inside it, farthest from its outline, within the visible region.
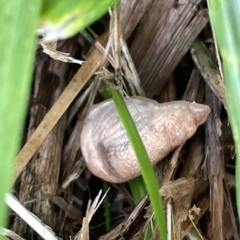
(106, 148)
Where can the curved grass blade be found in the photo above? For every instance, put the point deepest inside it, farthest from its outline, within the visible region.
(144, 162)
(224, 17)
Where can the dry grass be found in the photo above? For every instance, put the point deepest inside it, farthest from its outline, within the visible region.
(197, 181)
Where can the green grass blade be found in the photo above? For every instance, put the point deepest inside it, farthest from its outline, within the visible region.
(144, 162)
(224, 16)
(18, 23)
(138, 189)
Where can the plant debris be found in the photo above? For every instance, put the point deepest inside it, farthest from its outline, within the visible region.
(152, 58)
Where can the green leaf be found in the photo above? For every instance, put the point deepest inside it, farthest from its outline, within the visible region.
(18, 23)
(62, 19)
(144, 162)
(224, 16)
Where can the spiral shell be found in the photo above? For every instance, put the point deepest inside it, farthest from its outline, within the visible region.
(106, 148)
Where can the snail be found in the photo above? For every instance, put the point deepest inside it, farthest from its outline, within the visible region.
(105, 145)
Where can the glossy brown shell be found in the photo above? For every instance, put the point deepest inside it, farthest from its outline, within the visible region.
(162, 127)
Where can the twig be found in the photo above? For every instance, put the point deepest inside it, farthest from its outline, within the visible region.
(58, 109)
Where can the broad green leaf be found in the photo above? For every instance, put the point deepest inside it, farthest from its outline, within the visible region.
(18, 23)
(61, 18)
(225, 17)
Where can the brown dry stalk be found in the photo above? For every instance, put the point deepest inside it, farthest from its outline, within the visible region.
(59, 108)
